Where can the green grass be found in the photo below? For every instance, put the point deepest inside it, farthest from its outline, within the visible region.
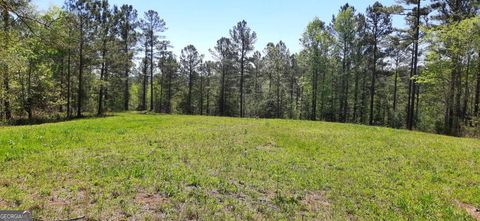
(134, 166)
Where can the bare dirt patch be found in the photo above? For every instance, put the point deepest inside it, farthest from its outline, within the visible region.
(269, 146)
(471, 210)
(150, 201)
(3, 204)
(316, 206)
(64, 204)
(151, 206)
(5, 183)
(57, 199)
(316, 201)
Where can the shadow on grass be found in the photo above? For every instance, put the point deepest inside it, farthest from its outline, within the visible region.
(50, 119)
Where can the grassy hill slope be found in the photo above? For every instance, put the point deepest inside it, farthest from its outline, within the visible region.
(134, 166)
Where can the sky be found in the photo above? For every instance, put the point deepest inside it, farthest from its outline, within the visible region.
(202, 22)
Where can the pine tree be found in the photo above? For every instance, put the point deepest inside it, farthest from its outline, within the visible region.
(379, 25)
(190, 61)
(225, 55)
(244, 39)
(344, 26)
(127, 24)
(152, 24)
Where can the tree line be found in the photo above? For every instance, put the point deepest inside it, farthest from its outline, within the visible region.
(90, 58)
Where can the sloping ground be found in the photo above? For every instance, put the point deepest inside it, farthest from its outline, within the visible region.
(190, 167)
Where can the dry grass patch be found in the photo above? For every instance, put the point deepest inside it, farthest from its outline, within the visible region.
(471, 210)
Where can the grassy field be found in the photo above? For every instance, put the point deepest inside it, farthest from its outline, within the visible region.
(135, 167)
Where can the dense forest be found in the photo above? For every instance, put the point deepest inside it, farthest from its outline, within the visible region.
(90, 58)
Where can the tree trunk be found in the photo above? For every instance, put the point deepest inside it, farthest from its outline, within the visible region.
(467, 92)
(345, 84)
(449, 105)
(292, 83)
(410, 87)
(242, 63)
(62, 81)
(372, 86)
(169, 92)
(458, 101)
(222, 93)
(208, 95)
(102, 76)
(29, 91)
(418, 107)
(255, 91)
(355, 97)
(342, 87)
(69, 85)
(6, 82)
(190, 87)
(364, 99)
(347, 92)
(395, 87)
(314, 91)
(477, 91)
(161, 103)
(278, 95)
(80, 70)
(411, 108)
(126, 92)
(201, 95)
(452, 124)
(151, 71)
(322, 77)
(143, 105)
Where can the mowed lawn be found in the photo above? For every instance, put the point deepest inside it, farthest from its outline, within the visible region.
(135, 167)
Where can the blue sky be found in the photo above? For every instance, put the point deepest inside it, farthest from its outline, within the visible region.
(203, 22)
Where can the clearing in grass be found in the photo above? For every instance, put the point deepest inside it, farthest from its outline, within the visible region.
(133, 166)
